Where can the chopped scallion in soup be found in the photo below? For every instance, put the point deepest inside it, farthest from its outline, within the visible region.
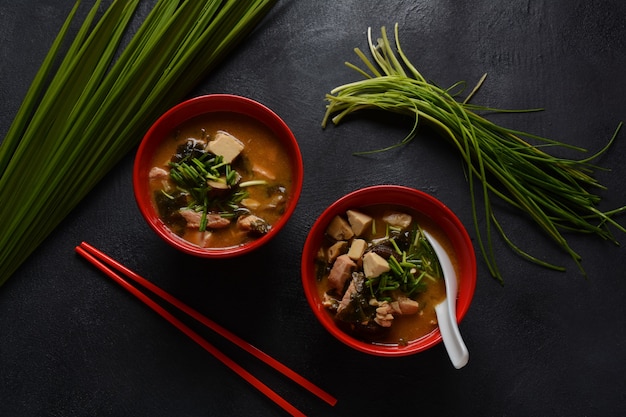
(379, 276)
(221, 180)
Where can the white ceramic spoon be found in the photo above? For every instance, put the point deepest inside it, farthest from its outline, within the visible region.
(446, 310)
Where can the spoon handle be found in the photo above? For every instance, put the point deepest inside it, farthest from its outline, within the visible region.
(452, 340)
(446, 310)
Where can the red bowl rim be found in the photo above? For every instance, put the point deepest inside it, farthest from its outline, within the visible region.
(417, 200)
(187, 110)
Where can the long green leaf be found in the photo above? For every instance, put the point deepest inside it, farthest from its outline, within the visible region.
(75, 125)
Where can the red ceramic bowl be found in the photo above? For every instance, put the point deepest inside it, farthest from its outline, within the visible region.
(184, 112)
(420, 202)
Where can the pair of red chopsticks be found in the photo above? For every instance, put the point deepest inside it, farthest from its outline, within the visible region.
(105, 263)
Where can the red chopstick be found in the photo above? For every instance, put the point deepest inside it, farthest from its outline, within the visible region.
(103, 261)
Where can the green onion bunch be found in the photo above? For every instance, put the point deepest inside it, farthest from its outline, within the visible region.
(552, 191)
(90, 104)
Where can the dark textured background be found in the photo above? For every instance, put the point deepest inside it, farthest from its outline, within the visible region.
(72, 343)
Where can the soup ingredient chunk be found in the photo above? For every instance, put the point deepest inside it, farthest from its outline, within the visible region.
(359, 222)
(340, 272)
(374, 265)
(254, 224)
(357, 249)
(226, 145)
(339, 229)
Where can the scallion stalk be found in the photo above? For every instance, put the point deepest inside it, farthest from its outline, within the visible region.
(501, 162)
(89, 106)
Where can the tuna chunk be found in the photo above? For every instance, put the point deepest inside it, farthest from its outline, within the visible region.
(340, 272)
(215, 221)
(193, 219)
(158, 173)
(405, 305)
(252, 223)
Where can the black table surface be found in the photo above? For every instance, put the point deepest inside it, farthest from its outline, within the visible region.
(73, 343)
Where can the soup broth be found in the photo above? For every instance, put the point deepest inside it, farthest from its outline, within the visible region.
(261, 188)
(402, 328)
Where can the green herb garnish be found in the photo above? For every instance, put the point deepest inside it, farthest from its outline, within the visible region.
(413, 260)
(211, 185)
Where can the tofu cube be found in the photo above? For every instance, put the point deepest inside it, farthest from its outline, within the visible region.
(226, 145)
(357, 249)
(337, 249)
(374, 265)
(339, 229)
(359, 222)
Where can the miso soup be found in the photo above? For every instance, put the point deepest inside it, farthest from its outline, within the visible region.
(221, 180)
(379, 277)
